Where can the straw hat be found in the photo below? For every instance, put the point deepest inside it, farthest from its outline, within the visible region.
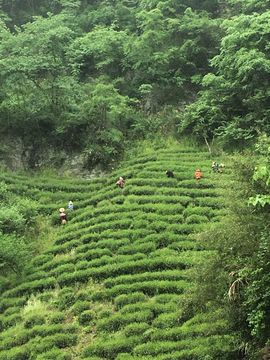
(62, 210)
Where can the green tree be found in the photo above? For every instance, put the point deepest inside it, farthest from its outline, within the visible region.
(98, 52)
(14, 254)
(37, 88)
(104, 118)
(234, 101)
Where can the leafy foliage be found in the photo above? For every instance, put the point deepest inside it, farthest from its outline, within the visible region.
(233, 103)
(14, 253)
(56, 66)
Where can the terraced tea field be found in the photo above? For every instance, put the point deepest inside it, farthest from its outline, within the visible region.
(112, 284)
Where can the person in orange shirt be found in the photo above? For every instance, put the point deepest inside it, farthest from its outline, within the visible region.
(198, 174)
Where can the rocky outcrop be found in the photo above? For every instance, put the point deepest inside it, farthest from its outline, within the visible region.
(16, 155)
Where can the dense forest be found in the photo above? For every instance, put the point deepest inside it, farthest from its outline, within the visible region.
(100, 79)
(92, 76)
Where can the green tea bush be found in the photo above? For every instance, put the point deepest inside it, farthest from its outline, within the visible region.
(107, 244)
(154, 307)
(54, 354)
(196, 219)
(99, 296)
(215, 203)
(166, 321)
(199, 346)
(41, 260)
(25, 335)
(17, 353)
(105, 314)
(123, 300)
(80, 306)
(5, 303)
(66, 298)
(62, 269)
(144, 248)
(12, 310)
(187, 245)
(129, 279)
(136, 329)
(37, 275)
(8, 321)
(56, 318)
(149, 288)
(32, 320)
(49, 342)
(108, 348)
(86, 317)
(162, 240)
(180, 332)
(32, 286)
(58, 261)
(193, 210)
(8, 342)
(93, 254)
(64, 248)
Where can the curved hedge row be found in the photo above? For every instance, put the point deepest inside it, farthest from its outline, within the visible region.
(113, 284)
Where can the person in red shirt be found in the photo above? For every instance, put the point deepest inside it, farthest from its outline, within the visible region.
(198, 174)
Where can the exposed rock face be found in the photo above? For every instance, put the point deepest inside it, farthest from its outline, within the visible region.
(16, 155)
(11, 153)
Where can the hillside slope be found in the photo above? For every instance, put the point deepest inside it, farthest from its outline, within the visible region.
(113, 284)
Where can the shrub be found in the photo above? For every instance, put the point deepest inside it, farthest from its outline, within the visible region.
(62, 269)
(149, 287)
(83, 295)
(109, 348)
(105, 313)
(9, 321)
(41, 260)
(34, 319)
(11, 220)
(136, 329)
(56, 318)
(166, 321)
(66, 298)
(14, 253)
(12, 310)
(32, 286)
(80, 306)
(18, 353)
(54, 354)
(123, 300)
(10, 302)
(117, 321)
(57, 340)
(86, 317)
(196, 219)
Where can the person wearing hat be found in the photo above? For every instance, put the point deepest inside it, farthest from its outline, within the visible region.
(63, 216)
(170, 174)
(221, 168)
(215, 166)
(121, 182)
(70, 205)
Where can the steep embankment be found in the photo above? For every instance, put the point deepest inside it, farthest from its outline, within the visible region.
(112, 285)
